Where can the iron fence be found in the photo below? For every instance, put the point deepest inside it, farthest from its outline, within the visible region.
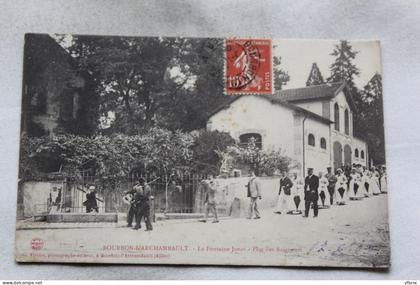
(176, 193)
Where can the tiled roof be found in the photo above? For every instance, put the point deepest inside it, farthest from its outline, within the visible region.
(310, 93)
(274, 100)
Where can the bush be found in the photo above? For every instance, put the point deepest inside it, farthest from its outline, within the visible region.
(111, 157)
(267, 162)
(207, 149)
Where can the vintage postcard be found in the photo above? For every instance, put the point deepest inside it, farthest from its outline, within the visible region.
(217, 151)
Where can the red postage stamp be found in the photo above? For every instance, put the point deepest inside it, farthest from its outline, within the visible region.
(248, 66)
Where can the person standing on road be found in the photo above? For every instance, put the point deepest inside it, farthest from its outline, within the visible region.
(311, 192)
(365, 184)
(332, 179)
(254, 193)
(340, 187)
(384, 188)
(284, 198)
(136, 204)
(323, 188)
(142, 205)
(145, 205)
(131, 211)
(297, 191)
(91, 204)
(210, 201)
(374, 182)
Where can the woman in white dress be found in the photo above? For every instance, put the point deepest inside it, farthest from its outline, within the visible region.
(284, 204)
(341, 187)
(354, 185)
(360, 194)
(323, 188)
(374, 183)
(365, 184)
(384, 186)
(297, 193)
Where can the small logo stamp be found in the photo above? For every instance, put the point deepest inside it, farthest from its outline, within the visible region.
(37, 244)
(248, 67)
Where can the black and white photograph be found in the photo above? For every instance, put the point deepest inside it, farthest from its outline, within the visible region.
(202, 151)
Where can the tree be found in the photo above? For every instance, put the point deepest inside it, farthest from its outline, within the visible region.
(315, 76)
(343, 69)
(190, 108)
(145, 82)
(253, 158)
(280, 76)
(131, 74)
(112, 158)
(207, 149)
(371, 119)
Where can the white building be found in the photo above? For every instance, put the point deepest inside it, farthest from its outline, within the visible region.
(312, 125)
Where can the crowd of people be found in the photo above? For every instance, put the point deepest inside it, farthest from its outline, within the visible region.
(297, 196)
(325, 190)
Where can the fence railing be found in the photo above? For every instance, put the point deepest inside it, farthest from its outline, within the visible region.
(172, 193)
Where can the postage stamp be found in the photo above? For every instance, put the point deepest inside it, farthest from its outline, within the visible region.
(248, 66)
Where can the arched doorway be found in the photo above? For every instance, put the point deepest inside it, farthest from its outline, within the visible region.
(347, 155)
(246, 138)
(338, 160)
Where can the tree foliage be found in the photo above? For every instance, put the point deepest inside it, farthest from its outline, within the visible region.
(110, 157)
(371, 117)
(115, 157)
(253, 158)
(343, 68)
(207, 150)
(280, 76)
(145, 82)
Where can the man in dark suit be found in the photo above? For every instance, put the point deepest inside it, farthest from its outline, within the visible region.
(311, 192)
(132, 210)
(142, 205)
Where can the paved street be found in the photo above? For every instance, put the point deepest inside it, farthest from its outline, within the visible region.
(355, 235)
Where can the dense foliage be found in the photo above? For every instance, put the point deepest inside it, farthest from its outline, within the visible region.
(111, 157)
(115, 157)
(263, 162)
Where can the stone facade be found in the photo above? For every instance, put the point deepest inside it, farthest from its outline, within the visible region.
(315, 129)
(280, 127)
(343, 142)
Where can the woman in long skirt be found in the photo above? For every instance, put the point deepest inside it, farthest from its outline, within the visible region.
(284, 199)
(365, 184)
(341, 187)
(354, 185)
(384, 186)
(323, 188)
(358, 181)
(297, 193)
(374, 183)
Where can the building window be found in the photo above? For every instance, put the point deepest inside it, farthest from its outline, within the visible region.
(250, 138)
(362, 154)
(311, 140)
(356, 152)
(336, 117)
(323, 143)
(346, 122)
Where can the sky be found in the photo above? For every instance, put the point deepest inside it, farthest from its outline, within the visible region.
(298, 55)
